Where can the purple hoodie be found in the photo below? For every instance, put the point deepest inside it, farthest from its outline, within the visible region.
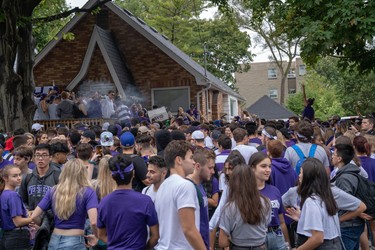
(283, 176)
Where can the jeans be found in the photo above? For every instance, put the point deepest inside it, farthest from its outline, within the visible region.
(17, 239)
(350, 236)
(275, 240)
(62, 242)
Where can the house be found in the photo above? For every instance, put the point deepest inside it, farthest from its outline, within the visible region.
(114, 49)
(267, 108)
(264, 78)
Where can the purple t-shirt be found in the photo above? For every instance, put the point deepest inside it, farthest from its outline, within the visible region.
(272, 193)
(77, 220)
(4, 163)
(204, 220)
(11, 206)
(124, 214)
(369, 165)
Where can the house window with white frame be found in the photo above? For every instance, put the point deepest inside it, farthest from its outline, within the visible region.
(302, 70)
(272, 73)
(233, 107)
(171, 98)
(273, 94)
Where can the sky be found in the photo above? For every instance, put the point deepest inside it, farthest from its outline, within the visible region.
(261, 56)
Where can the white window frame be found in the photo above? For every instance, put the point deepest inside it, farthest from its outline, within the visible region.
(235, 111)
(272, 73)
(273, 96)
(171, 88)
(302, 69)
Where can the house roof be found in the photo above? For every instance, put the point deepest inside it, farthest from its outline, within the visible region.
(121, 75)
(268, 109)
(159, 40)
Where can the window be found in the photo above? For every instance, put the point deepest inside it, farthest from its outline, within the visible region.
(233, 107)
(272, 73)
(291, 73)
(273, 94)
(171, 98)
(302, 70)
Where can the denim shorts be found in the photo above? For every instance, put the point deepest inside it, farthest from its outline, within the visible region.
(63, 242)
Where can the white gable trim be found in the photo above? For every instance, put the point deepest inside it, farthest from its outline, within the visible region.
(95, 39)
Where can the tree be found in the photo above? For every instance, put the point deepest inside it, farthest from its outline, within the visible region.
(265, 18)
(340, 28)
(17, 58)
(326, 102)
(43, 32)
(219, 39)
(336, 91)
(354, 89)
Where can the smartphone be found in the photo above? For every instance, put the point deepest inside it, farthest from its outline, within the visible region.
(99, 149)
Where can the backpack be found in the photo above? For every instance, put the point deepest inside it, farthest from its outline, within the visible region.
(365, 192)
(302, 157)
(199, 193)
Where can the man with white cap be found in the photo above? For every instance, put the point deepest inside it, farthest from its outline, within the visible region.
(36, 127)
(197, 139)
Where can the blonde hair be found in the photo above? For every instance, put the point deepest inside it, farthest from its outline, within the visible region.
(104, 184)
(72, 182)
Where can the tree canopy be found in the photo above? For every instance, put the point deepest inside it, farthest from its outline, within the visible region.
(219, 39)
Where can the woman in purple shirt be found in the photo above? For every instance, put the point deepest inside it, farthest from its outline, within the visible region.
(13, 214)
(277, 233)
(363, 151)
(71, 201)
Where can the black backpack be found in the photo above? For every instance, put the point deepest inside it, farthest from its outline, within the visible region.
(365, 192)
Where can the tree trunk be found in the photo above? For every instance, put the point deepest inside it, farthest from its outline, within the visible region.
(16, 64)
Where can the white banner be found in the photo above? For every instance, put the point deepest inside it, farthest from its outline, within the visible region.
(159, 114)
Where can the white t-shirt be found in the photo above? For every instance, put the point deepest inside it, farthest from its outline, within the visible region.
(314, 216)
(208, 142)
(174, 193)
(150, 192)
(246, 151)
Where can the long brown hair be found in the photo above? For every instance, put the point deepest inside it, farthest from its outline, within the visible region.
(244, 193)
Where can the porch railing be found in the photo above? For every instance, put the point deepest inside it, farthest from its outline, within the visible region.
(71, 122)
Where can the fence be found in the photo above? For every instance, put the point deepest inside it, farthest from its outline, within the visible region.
(71, 122)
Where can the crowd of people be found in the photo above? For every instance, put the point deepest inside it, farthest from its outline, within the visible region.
(186, 184)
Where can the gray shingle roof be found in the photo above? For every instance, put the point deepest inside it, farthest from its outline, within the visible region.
(114, 54)
(268, 109)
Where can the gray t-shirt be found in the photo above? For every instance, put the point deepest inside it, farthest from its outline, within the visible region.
(320, 154)
(343, 200)
(241, 233)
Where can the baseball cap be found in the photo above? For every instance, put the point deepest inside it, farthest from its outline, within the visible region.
(286, 133)
(89, 134)
(197, 135)
(215, 135)
(106, 139)
(105, 126)
(127, 139)
(143, 130)
(37, 126)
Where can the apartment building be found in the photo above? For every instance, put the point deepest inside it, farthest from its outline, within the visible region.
(264, 78)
